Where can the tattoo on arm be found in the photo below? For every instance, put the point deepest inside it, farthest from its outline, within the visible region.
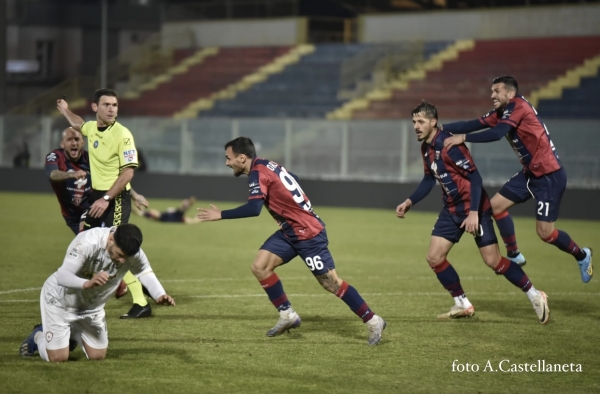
(57, 176)
(329, 282)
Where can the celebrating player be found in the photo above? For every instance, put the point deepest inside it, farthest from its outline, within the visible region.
(73, 298)
(542, 177)
(466, 208)
(302, 233)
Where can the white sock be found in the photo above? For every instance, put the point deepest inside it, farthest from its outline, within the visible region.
(41, 344)
(288, 313)
(462, 301)
(532, 294)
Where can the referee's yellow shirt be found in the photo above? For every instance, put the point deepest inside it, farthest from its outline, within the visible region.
(110, 151)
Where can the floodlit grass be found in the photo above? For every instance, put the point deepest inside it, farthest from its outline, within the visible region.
(214, 339)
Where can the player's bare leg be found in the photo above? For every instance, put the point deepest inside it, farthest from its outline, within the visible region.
(335, 285)
(263, 269)
(436, 257)
(506, 226)
(514, 273)
(563, 241)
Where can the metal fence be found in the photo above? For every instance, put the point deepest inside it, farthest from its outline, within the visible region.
(383, 150)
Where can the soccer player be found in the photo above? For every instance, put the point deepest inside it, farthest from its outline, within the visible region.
(68, 169)
(466, 208)
(113, 158)
(73, 298)
(171, 214)
(542, 177)
(301, 233)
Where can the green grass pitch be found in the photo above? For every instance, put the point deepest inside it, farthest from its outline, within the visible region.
(214, 340)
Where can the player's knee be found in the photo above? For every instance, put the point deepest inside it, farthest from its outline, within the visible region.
(259, 270)
(59, 357)
(97, 356)
(434, 260)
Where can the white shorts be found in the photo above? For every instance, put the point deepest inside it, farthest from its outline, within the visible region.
(60, 325)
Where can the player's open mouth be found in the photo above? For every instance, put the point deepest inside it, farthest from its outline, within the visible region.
(74, 152)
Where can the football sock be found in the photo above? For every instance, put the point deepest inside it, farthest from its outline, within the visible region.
(274, 289)
(135, 289)
(462, 301)
(532, 293)
(350, 296)
(513, 273)
(41, 345)
(563, 241)
(448, 277)
(506, 227)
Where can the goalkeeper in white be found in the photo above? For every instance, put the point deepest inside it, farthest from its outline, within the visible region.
(73, 298)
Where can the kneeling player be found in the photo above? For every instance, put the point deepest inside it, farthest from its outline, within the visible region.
(73, 298)
(466, 207)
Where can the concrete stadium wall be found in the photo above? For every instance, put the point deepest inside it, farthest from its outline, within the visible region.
(235, 33)
(575, 204)
(549, 21)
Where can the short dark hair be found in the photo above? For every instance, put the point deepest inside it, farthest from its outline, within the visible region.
(128, 237)
(242, 145)
(427, 108)
(104, 92)
(508, 81)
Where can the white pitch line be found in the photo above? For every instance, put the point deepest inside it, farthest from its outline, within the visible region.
(21, 290)
(325, 294)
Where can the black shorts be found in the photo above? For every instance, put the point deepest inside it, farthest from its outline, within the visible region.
(118, 211)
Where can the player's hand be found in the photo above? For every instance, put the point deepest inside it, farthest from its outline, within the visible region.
(139, 201)
(471, 223)
(403, 208)
(209, 214)
(79, 174)
(98, 279)
(61, 105)
(98, 207)
(456, 139)
(166, 299)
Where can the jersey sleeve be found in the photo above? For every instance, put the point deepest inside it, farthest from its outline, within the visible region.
(258, 185)
(52, 163)
(459, 158)
(86, 127)
(513, 114)
(140, 264)
(77, 254)
(490, 119)
(425, 166)
(128, 156)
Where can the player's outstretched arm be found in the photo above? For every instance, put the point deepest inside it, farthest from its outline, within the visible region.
(74, 120)
(464, 127)
(403, 208)
(209, 214)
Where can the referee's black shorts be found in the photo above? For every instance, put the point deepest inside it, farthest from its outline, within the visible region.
(118, 211)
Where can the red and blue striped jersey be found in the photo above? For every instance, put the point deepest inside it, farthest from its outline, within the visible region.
(284, 199)
(73, 195)
(529, 137)
(451, 168)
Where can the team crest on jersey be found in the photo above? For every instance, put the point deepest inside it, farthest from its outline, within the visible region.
(95, 144)
(51, 157)
(129, 155)
(437, 154)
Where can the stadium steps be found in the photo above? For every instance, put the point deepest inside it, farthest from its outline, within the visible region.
(461, 88)
(200, 80)
(229, 92)
(418, 72)
(181, 67)
(571, 79)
